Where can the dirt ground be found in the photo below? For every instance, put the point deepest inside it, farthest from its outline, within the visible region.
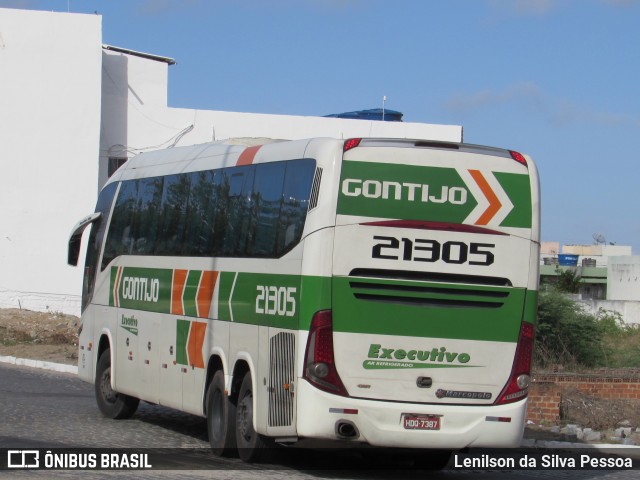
(39, 336)
(588, 411)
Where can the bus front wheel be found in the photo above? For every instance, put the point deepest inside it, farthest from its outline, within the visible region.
(252, 447)
(111, 403)
(221, 413)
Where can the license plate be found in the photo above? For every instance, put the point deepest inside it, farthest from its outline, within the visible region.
(421, 422)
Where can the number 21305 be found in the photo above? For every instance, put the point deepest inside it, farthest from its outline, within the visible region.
(422, 250)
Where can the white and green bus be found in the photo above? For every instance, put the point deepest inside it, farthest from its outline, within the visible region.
(376, 291)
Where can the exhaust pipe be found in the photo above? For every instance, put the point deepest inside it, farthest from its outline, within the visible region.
(346, 430)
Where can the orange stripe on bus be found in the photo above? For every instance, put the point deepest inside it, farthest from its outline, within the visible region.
(247, 156)
(194, 346)
(494, 202)
(205, 292)
(177, 289)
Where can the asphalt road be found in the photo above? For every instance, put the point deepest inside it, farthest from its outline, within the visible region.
(43, 409)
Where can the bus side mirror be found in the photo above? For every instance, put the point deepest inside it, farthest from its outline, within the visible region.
(74, 250)
(75, 239)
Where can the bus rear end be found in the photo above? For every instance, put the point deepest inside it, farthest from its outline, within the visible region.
(429, 339)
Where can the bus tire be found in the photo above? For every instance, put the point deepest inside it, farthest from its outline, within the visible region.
(221, 416)
(111, 403)
(252, 447)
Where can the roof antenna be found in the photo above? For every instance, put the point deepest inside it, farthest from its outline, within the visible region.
(599, 239)
(384, 99)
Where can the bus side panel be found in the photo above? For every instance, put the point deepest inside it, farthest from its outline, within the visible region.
(87, 346)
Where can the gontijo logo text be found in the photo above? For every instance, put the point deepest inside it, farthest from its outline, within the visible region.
(141, 289)
(412, 192)
(438, 357)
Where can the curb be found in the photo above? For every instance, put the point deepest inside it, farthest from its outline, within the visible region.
(559, 444)
(56, 367)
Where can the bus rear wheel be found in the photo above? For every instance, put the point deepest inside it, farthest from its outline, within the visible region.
(221, 415)
(252, 447)
(111, 403)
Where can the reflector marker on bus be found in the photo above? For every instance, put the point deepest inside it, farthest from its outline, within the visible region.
(248, 155)
(498, 419)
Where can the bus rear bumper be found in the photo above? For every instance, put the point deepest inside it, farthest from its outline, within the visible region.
(380, 424)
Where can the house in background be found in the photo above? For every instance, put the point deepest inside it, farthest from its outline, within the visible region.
(609, 275)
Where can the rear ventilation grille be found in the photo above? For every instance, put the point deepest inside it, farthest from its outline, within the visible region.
(315, 189)
(430, 277)
(458, 293)
(281, 378)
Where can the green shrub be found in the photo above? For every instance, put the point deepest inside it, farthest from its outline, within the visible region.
(621, 341)
(566, 335)
(570, 337)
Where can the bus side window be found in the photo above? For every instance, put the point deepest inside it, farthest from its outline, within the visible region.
(173, 214)
(267, 197)
(95, 242)
(147, 213)
(119, 238)
(297, 188)
(239, 211)
(247, 211)
(200, 214)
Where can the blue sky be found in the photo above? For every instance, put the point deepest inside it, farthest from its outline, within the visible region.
(558, 79)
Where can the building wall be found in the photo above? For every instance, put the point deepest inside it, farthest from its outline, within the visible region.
(623, 278)
(50, 122)
(548, 389)
(628, 310)
(597, 250)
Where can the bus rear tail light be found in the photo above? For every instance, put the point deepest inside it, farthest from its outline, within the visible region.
(517, 387)
(351, 143)
(518, 157)
(320, 369)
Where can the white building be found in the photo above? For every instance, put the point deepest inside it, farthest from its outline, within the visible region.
(622, 290)
(70, 107)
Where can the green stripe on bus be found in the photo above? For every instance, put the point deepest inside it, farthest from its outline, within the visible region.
(316, 292)
(224, 292)
(483, 313)
(531, 307)
(191, 292)
(518, 189)
(147, 289)
(266, 299)
(182, 335)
